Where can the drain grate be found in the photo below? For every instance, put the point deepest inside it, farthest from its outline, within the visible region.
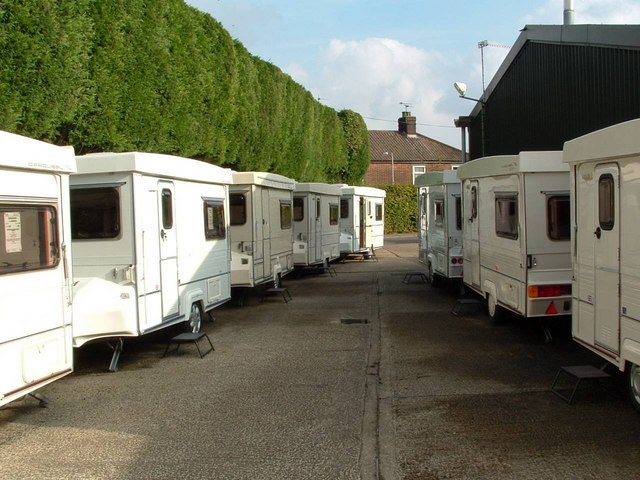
(354, 321)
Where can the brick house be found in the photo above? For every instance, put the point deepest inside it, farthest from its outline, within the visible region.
(399, 156)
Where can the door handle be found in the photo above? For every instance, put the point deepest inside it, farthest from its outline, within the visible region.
(163, 234)
(598, 232)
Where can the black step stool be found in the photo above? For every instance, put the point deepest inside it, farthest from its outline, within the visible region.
(409, 276)
(286, 296)
(188, 337)
(462, 302)
(577, 373)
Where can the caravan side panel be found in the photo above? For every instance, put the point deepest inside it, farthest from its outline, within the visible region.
(35, 254)
(203, 245)
(110, 280)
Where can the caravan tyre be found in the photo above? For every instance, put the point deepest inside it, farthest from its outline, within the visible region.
(633, 379)
(194, 324)
(496, 313)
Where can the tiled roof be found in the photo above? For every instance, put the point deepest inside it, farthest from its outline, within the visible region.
(409, 149)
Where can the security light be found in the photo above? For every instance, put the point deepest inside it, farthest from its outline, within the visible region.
(461, 88)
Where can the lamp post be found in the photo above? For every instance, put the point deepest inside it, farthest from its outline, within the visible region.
(393, 179)
(461, 88)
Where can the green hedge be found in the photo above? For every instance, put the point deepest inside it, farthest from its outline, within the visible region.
(161, 76)
(400, 208)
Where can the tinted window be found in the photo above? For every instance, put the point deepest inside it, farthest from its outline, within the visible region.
(167, 209)
(95, 213)
(507, 216)
(344, 208)
(558, 217)
(238, 207)
(334, 213)
(606, 206)
(285, 214)
(28, 238)
(298, 209)
(214, 224)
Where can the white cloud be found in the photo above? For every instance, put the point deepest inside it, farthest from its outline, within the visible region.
(373, 76)
(589, 11)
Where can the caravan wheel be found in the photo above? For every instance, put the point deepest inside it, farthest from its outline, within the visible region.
(195, 319)
(633, 378)
(496, 313)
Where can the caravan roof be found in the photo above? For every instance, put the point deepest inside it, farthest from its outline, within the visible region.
(27, 153)
(436, 178)
(154, 164)
(511, 164)
(363, 191)
(263, 178)
(619, 140)
(325, 188)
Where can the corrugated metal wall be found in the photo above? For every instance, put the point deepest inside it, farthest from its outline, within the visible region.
(552, 93)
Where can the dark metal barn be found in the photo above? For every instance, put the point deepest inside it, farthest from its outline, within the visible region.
(558, 82)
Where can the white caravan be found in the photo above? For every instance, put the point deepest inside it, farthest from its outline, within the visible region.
(316, 223)
(515, 226)
(151, 244)
(605, 189)
(440, 225)
(35, 275)
(361, 219)
(261, 228)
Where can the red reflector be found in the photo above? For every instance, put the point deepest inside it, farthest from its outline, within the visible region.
(454, 260)
(551, 309)
(460, 261)
(537, 291)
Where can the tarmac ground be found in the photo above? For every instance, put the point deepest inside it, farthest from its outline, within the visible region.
(366, 373)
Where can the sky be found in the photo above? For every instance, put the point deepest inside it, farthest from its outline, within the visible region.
(382, 57)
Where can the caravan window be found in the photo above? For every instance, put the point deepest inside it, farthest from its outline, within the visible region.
(458, 212)
(238, 207)
(28, 238)
(438, 211)
(558, 217)
(285, 214)
(318, 209)
(298, 209)
(95, 213)
(334, 213)
(344, 208)
(167, 209)
(474, 203)
(507, 216)
(378, 211)
(214, 224)
(606, 205)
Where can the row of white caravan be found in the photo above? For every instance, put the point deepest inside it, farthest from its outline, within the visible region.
(547, 233)
(114, 245)
(278, 224)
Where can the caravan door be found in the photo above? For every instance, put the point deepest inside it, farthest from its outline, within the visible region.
(316, 225)
(471, 234)
(168, 250)
(606, 238)
(362, 227)
(265, 204)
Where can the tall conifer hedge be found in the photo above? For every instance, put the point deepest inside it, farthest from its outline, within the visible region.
(160, 76)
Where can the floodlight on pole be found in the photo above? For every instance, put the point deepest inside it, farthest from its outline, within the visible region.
(461, 88)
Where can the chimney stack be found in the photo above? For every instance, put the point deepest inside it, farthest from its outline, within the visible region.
(568, 12)
(407, 124)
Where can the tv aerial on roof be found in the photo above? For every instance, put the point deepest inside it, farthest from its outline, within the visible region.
(406, 106)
